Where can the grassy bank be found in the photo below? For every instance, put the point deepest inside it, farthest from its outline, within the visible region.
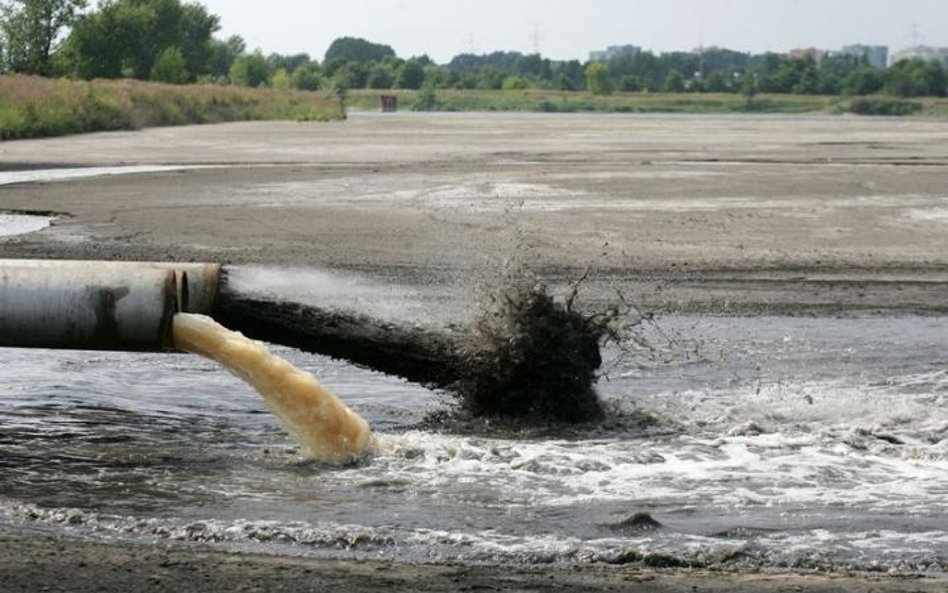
(32, 107)
(568, 102)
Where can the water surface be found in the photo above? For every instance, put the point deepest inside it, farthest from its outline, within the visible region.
(768, 443)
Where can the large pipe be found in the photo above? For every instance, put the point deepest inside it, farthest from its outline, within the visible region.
(198, 283)
(99, 305)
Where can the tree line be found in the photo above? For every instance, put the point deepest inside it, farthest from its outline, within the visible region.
(173, 41)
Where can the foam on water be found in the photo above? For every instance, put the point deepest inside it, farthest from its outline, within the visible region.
(791, 449)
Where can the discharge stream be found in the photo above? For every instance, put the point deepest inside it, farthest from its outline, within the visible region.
(326, 428)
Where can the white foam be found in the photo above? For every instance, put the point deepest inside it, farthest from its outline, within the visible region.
(65, 174)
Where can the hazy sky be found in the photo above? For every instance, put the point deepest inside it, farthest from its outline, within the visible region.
(566, 29)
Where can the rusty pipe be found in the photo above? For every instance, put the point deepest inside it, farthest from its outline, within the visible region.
(92, 305)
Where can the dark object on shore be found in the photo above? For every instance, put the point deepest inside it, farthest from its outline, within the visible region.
(526, 357)
(389, 103)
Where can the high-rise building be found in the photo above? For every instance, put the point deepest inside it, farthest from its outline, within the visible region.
(807, 52)
(614, 51)
(875, 55)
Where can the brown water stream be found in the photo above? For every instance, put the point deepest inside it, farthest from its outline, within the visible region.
(326, 428)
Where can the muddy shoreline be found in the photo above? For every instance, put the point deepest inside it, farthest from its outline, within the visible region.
(30, 563)
(713, 215)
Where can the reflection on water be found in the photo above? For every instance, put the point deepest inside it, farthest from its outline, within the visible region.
(65, 174)
(21, 224)
(775, 442)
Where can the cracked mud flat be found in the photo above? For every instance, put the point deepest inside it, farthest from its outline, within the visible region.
(823, 238)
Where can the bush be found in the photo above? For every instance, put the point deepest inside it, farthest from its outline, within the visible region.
(427, 100)
(866, 106)
(515, 83)
(307, 77)
(597, 79)
(250, 70)
(280, 80)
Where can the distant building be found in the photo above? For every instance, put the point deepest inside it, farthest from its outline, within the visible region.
(925, 52)
(807, 52)
(875, 55)
(614, 51)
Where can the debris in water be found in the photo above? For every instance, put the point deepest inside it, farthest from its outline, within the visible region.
(328, 430)
(636, 524)
(528, 356)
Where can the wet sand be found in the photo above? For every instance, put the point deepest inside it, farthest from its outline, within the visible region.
(713, 214)
(43, 563)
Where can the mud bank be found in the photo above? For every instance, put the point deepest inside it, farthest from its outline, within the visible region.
(42, 563)
(697, 213)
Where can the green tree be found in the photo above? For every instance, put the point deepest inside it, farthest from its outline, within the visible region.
(250, 70)
(515, 83)
(748, 84)
(280, 80)
(916, 78)
(808, 83)
(597, 79)
(170, 67)
(222, 53)
(411, 75)
(107, 43)
(125, 37)
(289, 62)
(717, 83)
(864, 80)
(491, 78)
(568, 76)
(675, 82)
(307, 77)
(630, 84)
(936, 79)
(32, 30)
(356, 49)
(427, 99)
(534, 66)
(381, 77)
(349, 75)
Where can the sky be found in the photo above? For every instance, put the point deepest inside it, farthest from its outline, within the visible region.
(568, 29)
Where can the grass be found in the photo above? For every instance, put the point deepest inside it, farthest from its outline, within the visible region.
(33, 107)
(570, 101)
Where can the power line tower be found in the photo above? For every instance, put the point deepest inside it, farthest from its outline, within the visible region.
(916, 36)
(536, 38)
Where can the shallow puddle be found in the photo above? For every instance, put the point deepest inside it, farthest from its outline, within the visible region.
(21, 224)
